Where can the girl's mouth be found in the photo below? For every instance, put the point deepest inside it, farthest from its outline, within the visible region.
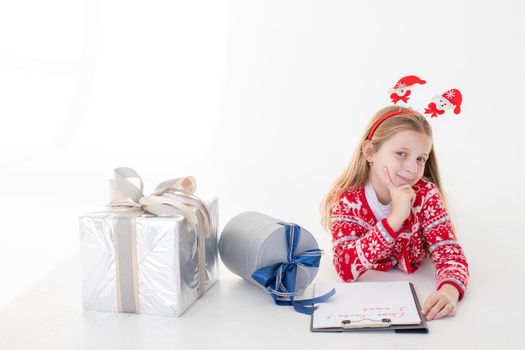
(404, 179)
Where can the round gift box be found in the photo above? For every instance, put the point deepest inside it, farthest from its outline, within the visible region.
(252, 240)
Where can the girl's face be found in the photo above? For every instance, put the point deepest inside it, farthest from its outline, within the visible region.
(404, 154)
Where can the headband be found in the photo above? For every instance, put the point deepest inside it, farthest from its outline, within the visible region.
(451, 99)
(384, 117)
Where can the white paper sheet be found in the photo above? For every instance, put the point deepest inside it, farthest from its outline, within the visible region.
(366, 300)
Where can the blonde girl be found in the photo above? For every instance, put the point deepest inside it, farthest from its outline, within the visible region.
(388, 209)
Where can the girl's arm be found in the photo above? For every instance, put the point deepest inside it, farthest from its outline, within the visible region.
(451, 264)
(357, 246)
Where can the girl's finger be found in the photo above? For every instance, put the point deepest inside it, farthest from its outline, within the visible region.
(388, 180)
(440, 304)
(429, 303)
(447, 310)
(453, 312)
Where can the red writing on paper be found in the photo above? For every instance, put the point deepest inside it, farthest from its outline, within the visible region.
(368, 312)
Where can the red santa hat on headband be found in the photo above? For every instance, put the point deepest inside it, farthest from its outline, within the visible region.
(448, 100)
(454, 97)
(401, 91)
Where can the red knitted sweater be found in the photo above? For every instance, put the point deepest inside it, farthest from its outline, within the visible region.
(361, 242)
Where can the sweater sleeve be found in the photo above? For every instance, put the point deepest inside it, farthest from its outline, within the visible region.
(357, 246)
(447, 254)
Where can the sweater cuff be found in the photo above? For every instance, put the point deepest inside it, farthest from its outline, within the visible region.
(386, 231)
(458, 287)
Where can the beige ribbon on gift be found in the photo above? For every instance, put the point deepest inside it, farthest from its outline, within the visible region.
(170, 198)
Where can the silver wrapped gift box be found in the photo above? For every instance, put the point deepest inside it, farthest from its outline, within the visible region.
(138, 262)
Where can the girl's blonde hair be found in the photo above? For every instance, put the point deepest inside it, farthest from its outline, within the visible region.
(357, 171)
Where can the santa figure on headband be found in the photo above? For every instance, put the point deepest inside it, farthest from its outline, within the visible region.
(401, 90)
(448, 100)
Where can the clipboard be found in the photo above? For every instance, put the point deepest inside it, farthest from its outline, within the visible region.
(366, 324)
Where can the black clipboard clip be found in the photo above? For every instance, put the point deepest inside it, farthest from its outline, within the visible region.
(366, 323)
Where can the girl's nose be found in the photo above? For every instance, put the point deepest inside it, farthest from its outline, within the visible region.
(411, 166)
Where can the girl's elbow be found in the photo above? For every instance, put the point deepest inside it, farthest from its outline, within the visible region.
(348, 271)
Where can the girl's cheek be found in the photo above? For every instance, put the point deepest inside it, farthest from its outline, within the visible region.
(397, 165)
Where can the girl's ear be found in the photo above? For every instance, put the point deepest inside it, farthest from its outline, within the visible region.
(367, 148)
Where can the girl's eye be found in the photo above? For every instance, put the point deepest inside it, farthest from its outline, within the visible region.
(422, 160)
(402, 154)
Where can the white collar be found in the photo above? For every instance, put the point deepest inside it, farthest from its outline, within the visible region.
(380, 210)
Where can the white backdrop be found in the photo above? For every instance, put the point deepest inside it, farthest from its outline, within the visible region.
(262, 101)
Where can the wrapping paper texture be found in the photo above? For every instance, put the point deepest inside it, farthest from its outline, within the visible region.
(166, 257)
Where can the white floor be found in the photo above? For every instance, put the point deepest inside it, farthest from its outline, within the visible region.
(234, 314)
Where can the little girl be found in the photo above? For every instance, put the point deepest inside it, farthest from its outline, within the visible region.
(388, 209)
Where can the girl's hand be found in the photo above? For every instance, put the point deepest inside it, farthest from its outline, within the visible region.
(442, 303)
(402, 199)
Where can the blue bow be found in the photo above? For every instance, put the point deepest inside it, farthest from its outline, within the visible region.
(279, 279)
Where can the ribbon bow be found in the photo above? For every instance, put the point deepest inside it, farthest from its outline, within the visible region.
(279, 279)
(170, 197)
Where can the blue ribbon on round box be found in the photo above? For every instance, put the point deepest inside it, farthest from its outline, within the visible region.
(252, 239)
